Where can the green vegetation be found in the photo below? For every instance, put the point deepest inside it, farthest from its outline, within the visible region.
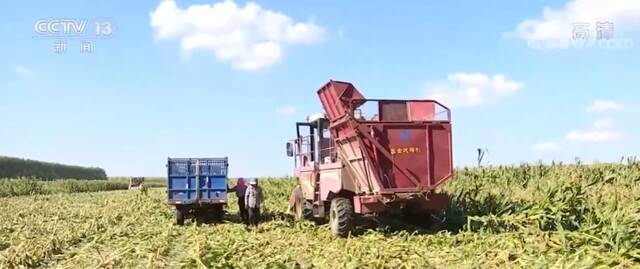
(528, 216)
(24, 168)
(18, 187)
(150, 182)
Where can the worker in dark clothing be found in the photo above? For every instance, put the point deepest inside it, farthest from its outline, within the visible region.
(253, 199)
(240, 189)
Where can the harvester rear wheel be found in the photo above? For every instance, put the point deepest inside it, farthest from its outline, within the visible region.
(341, 216)
(302, 207)
(179, 216)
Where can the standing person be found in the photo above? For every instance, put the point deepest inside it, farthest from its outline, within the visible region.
(240, 189)
(253, 199)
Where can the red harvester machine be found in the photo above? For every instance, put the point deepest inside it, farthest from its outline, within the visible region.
(348, 164)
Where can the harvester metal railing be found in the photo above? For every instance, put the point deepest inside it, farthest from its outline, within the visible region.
(303, 149)
(331, 154)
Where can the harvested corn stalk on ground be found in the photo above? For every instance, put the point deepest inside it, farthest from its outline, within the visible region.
(527, 216)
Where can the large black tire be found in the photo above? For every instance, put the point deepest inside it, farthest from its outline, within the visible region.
(302, 207)
(217, 213)
(179, 216)
(202, 215)
(341, 216)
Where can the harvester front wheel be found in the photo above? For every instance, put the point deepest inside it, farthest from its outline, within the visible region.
(341, 216)
(302, 208)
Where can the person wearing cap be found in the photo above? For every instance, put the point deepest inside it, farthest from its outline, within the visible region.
(239, 189)
(253, 199)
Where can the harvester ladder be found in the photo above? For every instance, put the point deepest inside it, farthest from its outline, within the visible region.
(318, 203)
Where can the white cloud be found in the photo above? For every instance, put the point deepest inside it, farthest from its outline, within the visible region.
(545, 146)
(604, 105)
(468, 78)
(603, 123)
(554, 28)
(286, 110)
(472, 89)
(504, 86)
(593, 136)
(22, 71)
(602, 131)
(248, 37)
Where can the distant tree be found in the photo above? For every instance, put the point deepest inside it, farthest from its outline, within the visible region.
(25, 168)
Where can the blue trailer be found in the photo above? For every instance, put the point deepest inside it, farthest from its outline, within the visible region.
(197, 187)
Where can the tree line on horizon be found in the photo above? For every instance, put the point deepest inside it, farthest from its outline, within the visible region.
(11, 167)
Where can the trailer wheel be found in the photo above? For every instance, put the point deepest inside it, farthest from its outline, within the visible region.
(341, 216)
(217, 212)
(179, 216)
(302, 207)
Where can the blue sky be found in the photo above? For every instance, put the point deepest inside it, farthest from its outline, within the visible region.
(206, 78)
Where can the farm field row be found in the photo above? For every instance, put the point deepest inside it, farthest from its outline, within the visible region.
(19, 187)
(520, 217)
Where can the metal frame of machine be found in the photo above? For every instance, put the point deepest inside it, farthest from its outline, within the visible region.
(197, 187)
(348, 163)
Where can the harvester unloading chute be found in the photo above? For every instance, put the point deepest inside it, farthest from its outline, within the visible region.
(339, 98)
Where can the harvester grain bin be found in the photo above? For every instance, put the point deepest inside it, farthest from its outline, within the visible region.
(366, 156)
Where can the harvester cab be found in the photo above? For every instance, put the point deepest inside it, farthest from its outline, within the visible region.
(364, 156)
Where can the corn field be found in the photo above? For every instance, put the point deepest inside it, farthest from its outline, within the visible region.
(527, 216)
(18, 187)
